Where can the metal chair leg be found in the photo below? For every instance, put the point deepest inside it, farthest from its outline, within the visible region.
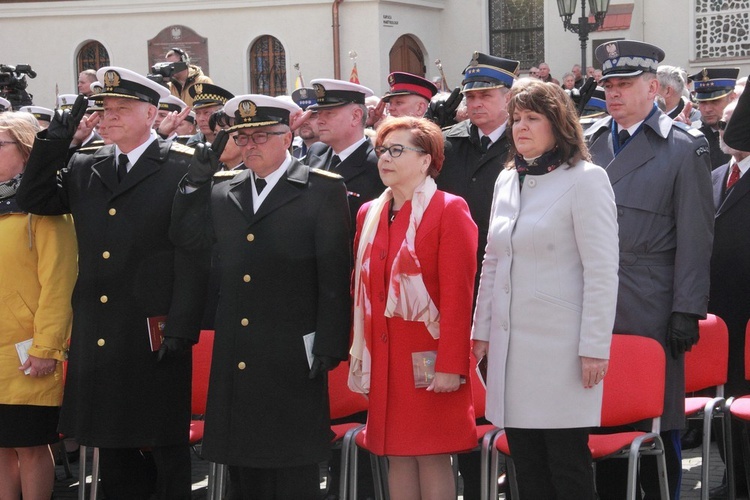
(81, 472)
(728, 448)
(94, 492)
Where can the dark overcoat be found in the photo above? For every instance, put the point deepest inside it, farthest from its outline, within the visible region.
(470, 173)
(718, 157)
(116, 393)
(662, 186)
(359, 170)
(730, 270)
(285, 273)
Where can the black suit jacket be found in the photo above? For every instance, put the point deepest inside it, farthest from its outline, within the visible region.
(284, 274)
(730, 270)
(359, 170)
(116, 393)
(471, 173)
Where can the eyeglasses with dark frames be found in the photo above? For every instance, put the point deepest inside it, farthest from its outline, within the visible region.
(257, 137)
(396, 150)
(722, 125)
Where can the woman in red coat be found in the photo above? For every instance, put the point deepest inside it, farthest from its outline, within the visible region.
(413, 286)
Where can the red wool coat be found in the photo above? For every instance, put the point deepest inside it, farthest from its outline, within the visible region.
(403, 420)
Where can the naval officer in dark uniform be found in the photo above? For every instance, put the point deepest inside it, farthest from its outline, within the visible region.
(120, 395)
(282, 230)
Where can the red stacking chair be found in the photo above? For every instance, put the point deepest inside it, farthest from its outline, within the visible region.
(343, 403)
(706, 366)
(633, 391)
(202, 352)
(740, 410)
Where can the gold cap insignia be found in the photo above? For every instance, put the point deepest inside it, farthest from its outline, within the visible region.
(111, 79)
(705, 75)
(247, 110)
(391, 80)
(320, 91)
(198, 88)
(475, 59)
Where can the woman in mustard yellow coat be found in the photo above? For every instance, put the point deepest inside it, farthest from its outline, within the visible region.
(37, 273)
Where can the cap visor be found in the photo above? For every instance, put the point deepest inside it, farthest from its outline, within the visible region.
(468, 86)
(252, 125)
(621, 75)
(710, 96)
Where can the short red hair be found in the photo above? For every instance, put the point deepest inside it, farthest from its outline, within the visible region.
(425, 135)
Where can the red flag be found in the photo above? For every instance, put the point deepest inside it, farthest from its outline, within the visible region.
(354, 77)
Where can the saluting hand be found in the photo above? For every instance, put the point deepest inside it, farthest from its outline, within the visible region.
(205, 160)
(64, 124)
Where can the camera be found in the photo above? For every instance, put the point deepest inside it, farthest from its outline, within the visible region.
(13, 84)
(163, 71)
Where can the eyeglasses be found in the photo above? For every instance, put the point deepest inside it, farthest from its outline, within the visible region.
(396, 150)
(257, 137)
(722, 125)
(5, 143)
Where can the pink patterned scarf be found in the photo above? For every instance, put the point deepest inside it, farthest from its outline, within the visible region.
(407, 295)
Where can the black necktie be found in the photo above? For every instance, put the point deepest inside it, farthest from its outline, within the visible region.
(335, 160)
(486, 142)
(260, 184)
(122, 166)
(623, 136)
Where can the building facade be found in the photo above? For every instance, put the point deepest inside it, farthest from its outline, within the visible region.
(257, 45)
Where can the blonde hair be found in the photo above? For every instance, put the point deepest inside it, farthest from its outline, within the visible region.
(22, 128)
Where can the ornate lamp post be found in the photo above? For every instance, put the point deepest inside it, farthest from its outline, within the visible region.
(583, 27)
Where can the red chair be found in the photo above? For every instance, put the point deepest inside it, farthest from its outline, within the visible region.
(343, 403)
(202, 352)
(706, 366)
(633, 391)
(739, 408)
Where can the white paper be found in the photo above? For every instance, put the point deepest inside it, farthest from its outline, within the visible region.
(309, 340)
(23, 352)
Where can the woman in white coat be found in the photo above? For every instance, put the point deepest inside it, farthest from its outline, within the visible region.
(546, 301)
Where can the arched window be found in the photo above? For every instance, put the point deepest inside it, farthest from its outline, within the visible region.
(517, 30)
(268, 67)
(92, 55)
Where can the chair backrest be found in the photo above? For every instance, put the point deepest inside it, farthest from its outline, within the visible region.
(706, 364)
(202, 352)
(343, 401)
(747, 351)
(634, 385)
(478, 392)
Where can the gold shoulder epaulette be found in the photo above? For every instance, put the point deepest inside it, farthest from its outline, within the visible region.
(181, 148)
(225, 174)
(92, 148)
(326, 173)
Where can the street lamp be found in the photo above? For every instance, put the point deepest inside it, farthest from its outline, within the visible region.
(584, 27)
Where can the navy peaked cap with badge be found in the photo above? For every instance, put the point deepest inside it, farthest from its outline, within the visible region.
(40, 113)
(256, 110)
(624, 58)
(405, 83)
(66, 101)
(207, 94)
(121, 82)
(304, 97)
(489, 72)
(713, 83)
(172, 103)
(331, 93)
(737, 133)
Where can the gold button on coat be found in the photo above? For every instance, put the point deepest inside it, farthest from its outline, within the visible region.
(103, 299)
(244, 322)
(112, 211)
(246, 278)
(241, 365)
(105, 254)
(100, 342)
(250, 237)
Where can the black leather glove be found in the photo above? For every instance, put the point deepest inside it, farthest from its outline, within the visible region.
(586, 92)
(205, 160)
(682, 333)
(173, 346)
(444, 112)
(64, 123)
(322, 364)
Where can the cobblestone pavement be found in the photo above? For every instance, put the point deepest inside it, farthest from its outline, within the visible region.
(691, 472)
